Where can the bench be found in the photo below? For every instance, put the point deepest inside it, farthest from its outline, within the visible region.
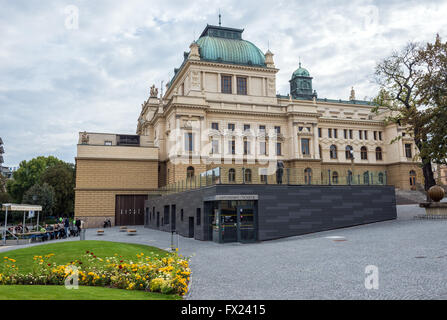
(100, 232)
(123, 229)
(131, 232)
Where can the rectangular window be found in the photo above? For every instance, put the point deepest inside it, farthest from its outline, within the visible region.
(278, 148)
(246, 127)
(350, 134)
(360, 134)
(305, 146)
(215, 146)
(262, 147)
(319, 132)
(375, 135)
(366, 135)
(408, 150)
(166, 215)
(246, 147)
(241, 85)
(277, 129)
(189, 142)
(262, 128)
(231, 126)
(215, 126)
(335, 133)
(329, 133)
(380, 135)
(128, 140)
(345, 133)
(226, 84)
(198, 216)
(232, 147)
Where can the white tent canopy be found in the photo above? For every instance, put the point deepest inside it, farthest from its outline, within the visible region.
(20, 207)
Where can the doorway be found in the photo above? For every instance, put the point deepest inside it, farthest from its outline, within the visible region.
(191, 227)
(129, 210)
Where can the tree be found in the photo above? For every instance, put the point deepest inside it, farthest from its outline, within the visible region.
(41, 194)
(402, 77)
(62, 178)
(4, 196)
(28, 175)
(433, 88)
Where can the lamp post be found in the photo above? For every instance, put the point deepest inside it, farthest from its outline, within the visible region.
(38, 212)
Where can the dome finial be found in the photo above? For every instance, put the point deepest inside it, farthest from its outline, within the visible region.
(220, 16)
(299, 62)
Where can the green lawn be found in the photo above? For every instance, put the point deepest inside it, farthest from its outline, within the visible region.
(83, 293)
(65, 252)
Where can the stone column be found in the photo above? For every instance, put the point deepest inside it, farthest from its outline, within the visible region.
(315, 128)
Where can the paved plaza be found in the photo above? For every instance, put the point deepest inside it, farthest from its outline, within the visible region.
(411, 256)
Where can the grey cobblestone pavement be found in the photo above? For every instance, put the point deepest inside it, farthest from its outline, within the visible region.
(411, 256)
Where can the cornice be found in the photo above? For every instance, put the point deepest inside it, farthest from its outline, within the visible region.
(352, 121)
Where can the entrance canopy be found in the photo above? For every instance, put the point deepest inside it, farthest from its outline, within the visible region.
(20, 207)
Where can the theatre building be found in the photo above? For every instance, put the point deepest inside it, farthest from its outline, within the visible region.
(220, 149)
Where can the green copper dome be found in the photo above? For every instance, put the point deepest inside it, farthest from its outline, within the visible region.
(226, 45)
(300, 72)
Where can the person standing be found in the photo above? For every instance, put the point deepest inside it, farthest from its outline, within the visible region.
(66, 225)
(78, 226)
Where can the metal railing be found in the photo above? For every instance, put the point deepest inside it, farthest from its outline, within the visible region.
(287, 176)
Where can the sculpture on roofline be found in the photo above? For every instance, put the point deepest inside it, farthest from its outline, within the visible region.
(154, 91)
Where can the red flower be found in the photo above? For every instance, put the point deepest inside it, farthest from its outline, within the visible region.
(49, 264)
(121, 261)
(94, 256)
(91, 253)
(120, 266)
(87, 251)
(80, 262)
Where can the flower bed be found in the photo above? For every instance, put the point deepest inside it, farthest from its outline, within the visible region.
(168, 275)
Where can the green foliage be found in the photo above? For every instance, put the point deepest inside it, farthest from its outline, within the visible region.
(28, 175)
(41, 194)
(414, 90)
(62, 178)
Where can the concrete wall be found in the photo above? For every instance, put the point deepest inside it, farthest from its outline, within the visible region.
(285, 211)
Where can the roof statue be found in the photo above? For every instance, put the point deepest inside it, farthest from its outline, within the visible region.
(154, 91)
(352, 96)
(84, 138)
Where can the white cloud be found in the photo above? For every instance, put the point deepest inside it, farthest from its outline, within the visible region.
(55, 82)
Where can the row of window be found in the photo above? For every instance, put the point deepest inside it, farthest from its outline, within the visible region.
(227, 85)
(247, 147)
(166, 214)
(349, 153)
(348, 134)
(307, 177)
(231, 127)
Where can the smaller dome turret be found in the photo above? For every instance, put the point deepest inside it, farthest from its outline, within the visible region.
(301, 84)
(301, 72)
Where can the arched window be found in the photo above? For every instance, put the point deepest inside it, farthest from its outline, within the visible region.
(231, 175)
(190, 172)
(378, 153)
(349, 153)
(335, 177)
(333, 152)
(413, 178)
(247, 175)
(381, 179)
(366, 177)
(308, 176)
(364, 153)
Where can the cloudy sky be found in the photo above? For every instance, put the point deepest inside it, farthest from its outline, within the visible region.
(70, 66)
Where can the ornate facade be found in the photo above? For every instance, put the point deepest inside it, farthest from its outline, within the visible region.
(221, 109)
(227, 87)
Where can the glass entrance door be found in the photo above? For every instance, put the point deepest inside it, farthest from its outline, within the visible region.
(229, 225)
(246, 231)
